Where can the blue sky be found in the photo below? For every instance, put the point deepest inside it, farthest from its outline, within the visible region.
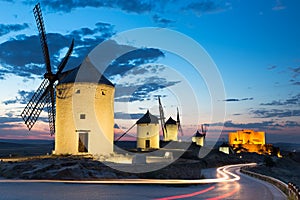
(254, 44)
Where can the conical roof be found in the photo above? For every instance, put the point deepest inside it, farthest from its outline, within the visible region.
(86, 73)
(224, 145)
(198, 134)
(171, 121)
(148, 118)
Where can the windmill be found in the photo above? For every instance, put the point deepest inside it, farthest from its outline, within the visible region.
(203, 129)
(162, 118)
(179, 124)
(45, 94)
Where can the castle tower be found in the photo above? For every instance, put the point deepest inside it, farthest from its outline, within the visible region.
(246, 137)
(84, 112)
(171, 128)
(148, 132)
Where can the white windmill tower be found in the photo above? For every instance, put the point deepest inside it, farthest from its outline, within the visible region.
(199, 136)
(148, 132)
(171, 127)
(84, 127)
(84, 112)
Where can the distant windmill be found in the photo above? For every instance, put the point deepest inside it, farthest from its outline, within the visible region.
(203, 129)
(162, 118)
(179, 123)
(44, 96)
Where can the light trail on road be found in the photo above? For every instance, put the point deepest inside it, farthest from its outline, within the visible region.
(187, 195)
(229, 183)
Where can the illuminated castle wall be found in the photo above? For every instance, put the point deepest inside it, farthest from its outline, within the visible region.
(148, 132)
(251, 140)
(84, 112)
(247, 137)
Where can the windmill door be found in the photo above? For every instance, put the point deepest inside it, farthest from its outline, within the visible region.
(147, 145)
(83, 142)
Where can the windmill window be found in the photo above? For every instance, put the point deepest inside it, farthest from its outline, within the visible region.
(103, 92)
(77, 91)
(147, 133)
(82, 116)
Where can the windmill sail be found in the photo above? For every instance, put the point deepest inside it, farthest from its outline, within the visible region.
(45, 94)
(64, 61)
(42, 33)
(162, 118)
(178, 122)
(51, 110)
(36, 104)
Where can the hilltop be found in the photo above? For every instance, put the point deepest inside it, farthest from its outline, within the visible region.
(285, 169)
(188, 166)
(36, 164)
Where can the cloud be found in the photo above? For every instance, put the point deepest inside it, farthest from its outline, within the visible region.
(295, 71)
(272, 67)
(296, 83)
(122, 115)
(134, 6)
(294, 100)
(9, 119)
(156, 8)
(27, 50)
(162, 21)
(272, 113)
(295, 75)
(137, 78)
(236, 100)
(132, 60)
(23, 97)
(9, 122)
(8, 28)
(264, 125)
(278, 6)
(207, 6)
(142, 90)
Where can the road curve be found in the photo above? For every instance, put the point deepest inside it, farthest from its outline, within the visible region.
(225, 183)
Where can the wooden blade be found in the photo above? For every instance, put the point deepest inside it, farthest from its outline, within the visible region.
(178, 119)
(178, 123)
(162, 117)
(42, 33)
(65, 60)
(36, 104)
(51, 109)
(125, 132)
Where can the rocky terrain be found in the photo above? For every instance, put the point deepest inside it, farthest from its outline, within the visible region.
(21, 164)
(86, 168)
(286, 169)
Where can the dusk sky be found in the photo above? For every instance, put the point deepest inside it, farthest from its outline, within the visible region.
(255, 45)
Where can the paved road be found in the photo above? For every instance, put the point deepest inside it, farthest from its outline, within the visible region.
(246, 187)
(225, 183)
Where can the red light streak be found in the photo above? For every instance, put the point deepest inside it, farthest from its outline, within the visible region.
(236, 189)
(187, 195)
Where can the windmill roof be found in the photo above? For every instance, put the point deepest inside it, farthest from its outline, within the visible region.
(148, 118)
(198, 134)
(86, 73)
(171, 121)
(224, 145)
